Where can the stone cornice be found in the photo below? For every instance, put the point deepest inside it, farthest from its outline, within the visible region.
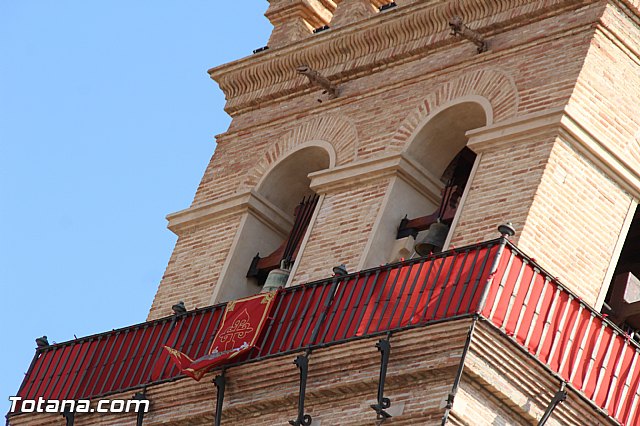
(621, 37)
(235, 204)
(324, 181)
(487, 137)
(354, 174)
(615, 166)
(348, 52)
(570, 130)
(632, 5)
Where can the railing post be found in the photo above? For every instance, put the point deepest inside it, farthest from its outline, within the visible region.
(492, 272)
(456, 382)
(220, 382)
(325, 309)
(302, 362)
(384, 347)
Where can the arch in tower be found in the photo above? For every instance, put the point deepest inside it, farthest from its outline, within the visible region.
(440, 167)
(270, 223)
(336, 134)
(494, 89)
(287, 182)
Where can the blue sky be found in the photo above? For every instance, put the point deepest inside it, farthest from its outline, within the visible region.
(107, 122)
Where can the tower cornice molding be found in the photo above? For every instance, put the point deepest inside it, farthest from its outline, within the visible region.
(235, 204)
(353, 50)
(386, 166)
(572, 130)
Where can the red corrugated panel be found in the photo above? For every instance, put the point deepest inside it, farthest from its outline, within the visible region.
(147, 350)
(629, 369)
(562, 337)
(283, 319)
(49, 362)
(473, 278)
(502, 269)
(571, 338)
(373, 301)
(607, 369)
(574, 336)
(533, 293)
(315, 299)
(340, 320)
(504, 290)
(288, 336)
(360, 290)
(629, 407)
(551, 325)
(59, 388)
(118, 360)
(516, 299)
(85, 354)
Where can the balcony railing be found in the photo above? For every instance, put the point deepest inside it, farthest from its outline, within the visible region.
(492, 279)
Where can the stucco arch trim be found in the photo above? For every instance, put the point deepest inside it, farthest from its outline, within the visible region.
(326, 146)
(492, 89)
(337, 135)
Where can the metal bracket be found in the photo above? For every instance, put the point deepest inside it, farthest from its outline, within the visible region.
(317, 79)
(557, 399)
(220, 383)
(458, 28)
(69, 416)
(406, 231)
(383, 403)
(253, 268)
(140, 415)
(302, 362)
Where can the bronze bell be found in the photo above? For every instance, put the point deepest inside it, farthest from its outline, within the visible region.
(434, 240)
(277, 278)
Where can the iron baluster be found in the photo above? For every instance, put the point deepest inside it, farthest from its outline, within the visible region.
(347, 304)
(120, 375)
(323, 315)
(313, 314)
(302, 362)
(204, 334)
(295, 317)
(384, 347)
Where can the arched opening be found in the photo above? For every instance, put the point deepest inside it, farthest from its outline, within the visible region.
(440, 148)
(287, 182)
(442, 137)
(274, 226)
(440, 167)
(622, 302)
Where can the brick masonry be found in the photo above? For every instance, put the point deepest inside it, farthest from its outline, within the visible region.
(533, 66)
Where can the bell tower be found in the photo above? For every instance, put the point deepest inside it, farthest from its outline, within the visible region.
(447, 192)
(411, 91)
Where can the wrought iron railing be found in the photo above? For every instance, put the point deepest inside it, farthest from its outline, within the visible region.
(492, 279)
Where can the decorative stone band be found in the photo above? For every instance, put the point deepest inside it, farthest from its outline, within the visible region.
(410, 31)
(571, 131)
(236, 204)
(354, 174)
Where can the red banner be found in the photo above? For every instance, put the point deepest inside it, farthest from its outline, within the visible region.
(241, 327)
